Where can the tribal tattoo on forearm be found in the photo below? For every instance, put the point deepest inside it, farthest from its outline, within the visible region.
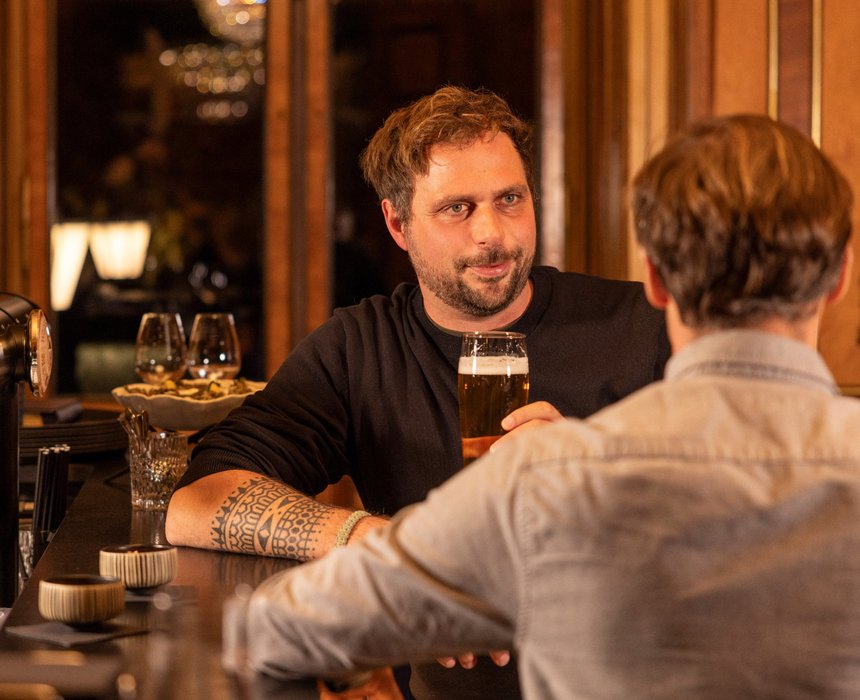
(264, 517)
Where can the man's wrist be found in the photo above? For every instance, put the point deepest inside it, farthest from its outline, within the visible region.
(348, 526)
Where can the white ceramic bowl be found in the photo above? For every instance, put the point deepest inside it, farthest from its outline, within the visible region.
(183, 412)
(139, 566)
(81, 599)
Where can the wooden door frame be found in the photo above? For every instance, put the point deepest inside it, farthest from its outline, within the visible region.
(297, 263)
(27, 182)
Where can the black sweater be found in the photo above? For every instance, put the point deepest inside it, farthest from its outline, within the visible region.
(373, 392)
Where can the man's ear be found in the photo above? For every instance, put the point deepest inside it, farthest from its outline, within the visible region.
(394, 223)
(842, 284)
(655, 290)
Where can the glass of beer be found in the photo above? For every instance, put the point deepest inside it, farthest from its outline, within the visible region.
(492, 381)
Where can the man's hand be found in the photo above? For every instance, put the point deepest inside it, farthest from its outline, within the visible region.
(380, 686)
(500, 658)
(532, 415)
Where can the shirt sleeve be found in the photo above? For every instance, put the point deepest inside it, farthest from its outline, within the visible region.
(442, 579)
(296, 429)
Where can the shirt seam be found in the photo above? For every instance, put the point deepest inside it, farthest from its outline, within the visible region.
(754, 370)
(527, 544)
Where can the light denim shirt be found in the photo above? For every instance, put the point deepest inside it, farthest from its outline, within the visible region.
(699, 539)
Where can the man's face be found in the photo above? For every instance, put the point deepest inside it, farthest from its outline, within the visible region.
(471, 238)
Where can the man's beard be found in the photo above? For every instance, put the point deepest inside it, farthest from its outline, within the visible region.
(490, 296)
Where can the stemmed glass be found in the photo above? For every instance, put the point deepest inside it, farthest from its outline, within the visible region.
(214, 351)
(160, 352)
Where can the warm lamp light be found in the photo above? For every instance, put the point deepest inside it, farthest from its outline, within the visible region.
(68, 250)
(119, 248)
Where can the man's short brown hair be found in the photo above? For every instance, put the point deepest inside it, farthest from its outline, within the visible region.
(745, 219)
(399, 152)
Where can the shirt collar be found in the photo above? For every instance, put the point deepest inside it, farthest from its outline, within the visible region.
(752, 354)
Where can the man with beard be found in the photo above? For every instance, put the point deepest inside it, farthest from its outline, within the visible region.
(373, 392)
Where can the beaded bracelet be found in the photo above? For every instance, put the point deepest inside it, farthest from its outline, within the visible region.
(348, 526)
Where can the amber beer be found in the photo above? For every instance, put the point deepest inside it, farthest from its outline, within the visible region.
(489, 386)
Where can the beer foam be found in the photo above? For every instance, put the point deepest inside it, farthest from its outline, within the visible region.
(493, 365)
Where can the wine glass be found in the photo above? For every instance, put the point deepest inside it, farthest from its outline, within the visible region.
(214, 351)
(160, 352)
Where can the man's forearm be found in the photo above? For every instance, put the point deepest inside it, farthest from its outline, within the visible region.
(266, 517)
(253, 514)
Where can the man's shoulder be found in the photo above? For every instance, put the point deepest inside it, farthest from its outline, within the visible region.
(395, 304)
(582, 281)
(376, 324)
(374, 312)
(614, 303)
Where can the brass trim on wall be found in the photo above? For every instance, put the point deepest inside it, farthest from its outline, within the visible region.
(773, 58)
(782, 13)
(815, 112)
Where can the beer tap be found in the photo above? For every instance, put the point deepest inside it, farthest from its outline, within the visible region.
(25, 356)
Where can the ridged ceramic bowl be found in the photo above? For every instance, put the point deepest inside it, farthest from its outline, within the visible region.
(139, 566)
(81, 599)
(182, 409)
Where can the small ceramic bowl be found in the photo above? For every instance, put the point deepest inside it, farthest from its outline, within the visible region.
(81, 599)
(139, 566)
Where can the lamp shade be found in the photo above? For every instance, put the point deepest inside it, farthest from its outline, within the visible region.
(68, 251)
(119, 248)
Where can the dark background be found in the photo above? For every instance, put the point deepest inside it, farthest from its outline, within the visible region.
(129, 145)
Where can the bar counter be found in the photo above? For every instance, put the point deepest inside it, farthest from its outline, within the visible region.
(179, 654)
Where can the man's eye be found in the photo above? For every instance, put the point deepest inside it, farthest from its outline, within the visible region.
(510, 198)
(457, 208)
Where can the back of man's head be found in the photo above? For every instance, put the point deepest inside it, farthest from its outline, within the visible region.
(744, 219)
(400, 150)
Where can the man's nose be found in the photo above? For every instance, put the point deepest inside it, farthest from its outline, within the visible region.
(487, 227)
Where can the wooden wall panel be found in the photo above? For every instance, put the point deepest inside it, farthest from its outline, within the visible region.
(318, 166)
(297, 164)
(607, 158)
(278, 301)
(794, 99)
(10, 159)
(39, 196)
(840, 123)
(576, 141)
(795, 59)
(740, 56)
(648, 106)
(691, 78)
(552, 135)
(27, 43)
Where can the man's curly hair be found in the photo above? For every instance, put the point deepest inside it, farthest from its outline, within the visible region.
(400, 150)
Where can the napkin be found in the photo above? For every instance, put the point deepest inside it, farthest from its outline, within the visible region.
(67, 636)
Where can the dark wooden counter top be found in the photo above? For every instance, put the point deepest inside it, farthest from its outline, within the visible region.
(180, 655)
